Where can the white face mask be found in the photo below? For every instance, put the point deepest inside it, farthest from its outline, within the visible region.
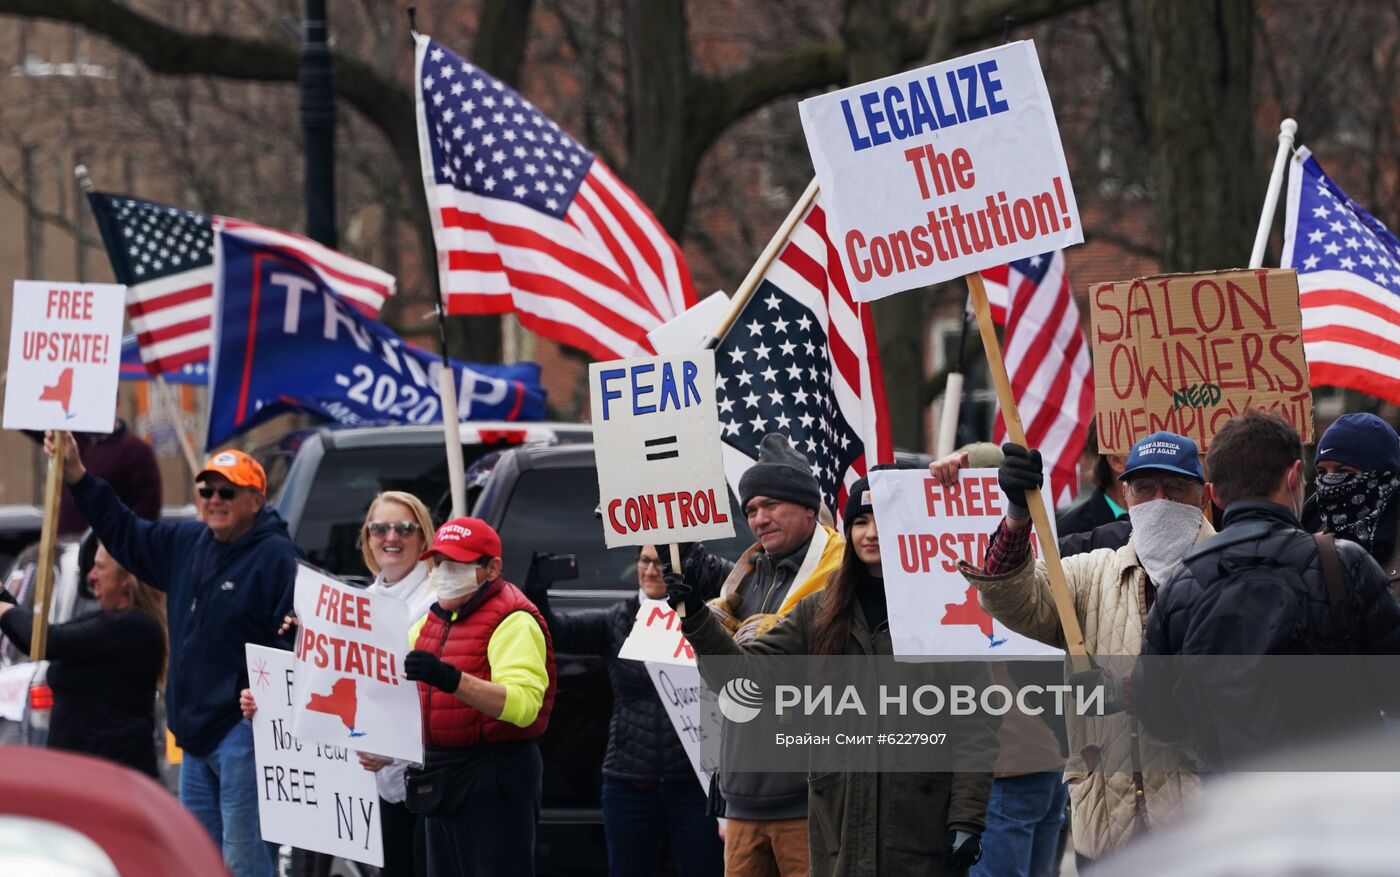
(1163, 531)
(452, 580)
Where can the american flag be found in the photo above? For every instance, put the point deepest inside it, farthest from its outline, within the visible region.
(1047, 361)
(1348, 267)
(801, 360)
(165, 256)
(528, 221)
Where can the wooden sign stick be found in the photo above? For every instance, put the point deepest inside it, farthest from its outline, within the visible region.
(48, 537)
(1040, 517)
(676, 567)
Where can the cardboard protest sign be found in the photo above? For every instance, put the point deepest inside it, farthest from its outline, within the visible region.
(925, 530)
(656, 431)
(656, 636)
(65, 356)
(349, 685)
(686, 699)
(310, 795)
(942, 171)
(1186, 352)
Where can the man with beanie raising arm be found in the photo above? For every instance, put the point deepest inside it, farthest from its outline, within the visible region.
(794, 557)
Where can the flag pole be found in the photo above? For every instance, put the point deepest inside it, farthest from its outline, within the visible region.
(162, 388)
(1040, 517)
(765, 259)
(1286, 130)
(953, 391)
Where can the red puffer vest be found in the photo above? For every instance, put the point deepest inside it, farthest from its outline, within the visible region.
(448, 723)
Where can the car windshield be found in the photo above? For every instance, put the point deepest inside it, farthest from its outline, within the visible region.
(551, 510)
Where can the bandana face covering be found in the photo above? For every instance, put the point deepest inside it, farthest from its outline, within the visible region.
(452, 580)
(1163, 530)
(1351, 503)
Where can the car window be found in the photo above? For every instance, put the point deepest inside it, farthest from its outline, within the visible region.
(348, 479)
(551, 510)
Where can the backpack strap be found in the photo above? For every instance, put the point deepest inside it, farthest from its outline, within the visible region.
(1331, 570)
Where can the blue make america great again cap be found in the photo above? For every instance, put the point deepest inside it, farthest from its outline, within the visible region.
(1168, 452)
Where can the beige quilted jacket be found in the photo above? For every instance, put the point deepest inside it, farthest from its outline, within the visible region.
(1107, 586)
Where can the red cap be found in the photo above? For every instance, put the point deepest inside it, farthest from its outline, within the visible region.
(464, 540)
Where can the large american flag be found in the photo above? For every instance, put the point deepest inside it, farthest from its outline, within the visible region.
(165, 256)
(1047, 361)
(1348, 284)
(528, 221)
(801, 360)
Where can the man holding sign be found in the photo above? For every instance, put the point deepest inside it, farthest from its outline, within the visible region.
(1114, 791)
(228, 581)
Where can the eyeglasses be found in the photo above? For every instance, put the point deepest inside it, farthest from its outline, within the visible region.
(1175, 488)
(225, 493)
(648, 562)
(382, 528)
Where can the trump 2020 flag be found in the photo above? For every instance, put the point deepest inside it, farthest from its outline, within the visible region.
(284, 342)
(528, 221)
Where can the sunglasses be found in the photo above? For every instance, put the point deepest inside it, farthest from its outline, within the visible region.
(382, 528)
(225, 493)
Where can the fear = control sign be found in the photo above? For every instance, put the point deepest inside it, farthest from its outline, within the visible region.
(656, 431)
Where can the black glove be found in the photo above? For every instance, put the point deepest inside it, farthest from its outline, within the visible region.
(1115, 698)
(679, 592)
(421, 666)
(7, 597)
(1020, 471)
(963, 850)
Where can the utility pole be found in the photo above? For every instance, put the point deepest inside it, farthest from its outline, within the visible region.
(318, 125)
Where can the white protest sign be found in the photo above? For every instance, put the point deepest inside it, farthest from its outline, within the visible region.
(310, 795)
(14, 690)
(686, 698)
(939, 172)
(656, 434)
(925, 530)
(349, 685)
(65, 355)
(688, 329)
(656, 636)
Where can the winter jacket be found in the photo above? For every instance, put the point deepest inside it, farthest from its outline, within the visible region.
(1233, 713)
(1109, 756)
(754, 594)
(128, 464)
(868, 823)
(219, 596)
(103, 672)
(642, 742)
(1086, 514)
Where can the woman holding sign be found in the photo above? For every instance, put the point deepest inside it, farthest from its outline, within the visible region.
(106, 667)
(650, 792)
(862, 822)
(392, 537)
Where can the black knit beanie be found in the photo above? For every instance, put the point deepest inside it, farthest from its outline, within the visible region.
(781, 473)
(857, 503)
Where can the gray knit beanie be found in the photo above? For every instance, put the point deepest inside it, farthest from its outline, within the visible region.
(781, 473)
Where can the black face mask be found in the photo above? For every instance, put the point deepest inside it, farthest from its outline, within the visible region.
(1351, 503)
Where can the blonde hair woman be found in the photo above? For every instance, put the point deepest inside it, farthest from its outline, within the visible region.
(104, 667)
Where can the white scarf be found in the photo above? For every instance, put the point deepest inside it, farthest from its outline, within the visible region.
(1163, 531)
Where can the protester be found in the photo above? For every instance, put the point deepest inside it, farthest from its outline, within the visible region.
(766, 813)
(1112, 592)
(1105, 503)
(650, 793)
(1358, 487)
(394, 534)
(1263, 586)
(104, 667)
(485, 663)
(853, 828)
(228, 581)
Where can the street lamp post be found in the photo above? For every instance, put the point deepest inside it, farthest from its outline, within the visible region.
(318, 124)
